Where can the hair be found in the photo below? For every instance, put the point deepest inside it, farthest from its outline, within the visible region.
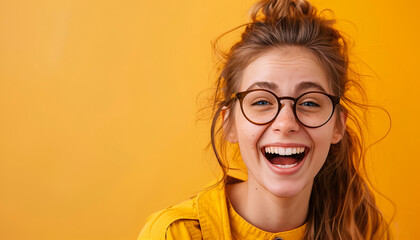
(342, 205)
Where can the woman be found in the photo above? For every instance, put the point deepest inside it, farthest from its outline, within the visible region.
(282, 98)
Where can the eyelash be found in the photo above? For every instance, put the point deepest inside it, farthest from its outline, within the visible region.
(261, 101)
(312, 104)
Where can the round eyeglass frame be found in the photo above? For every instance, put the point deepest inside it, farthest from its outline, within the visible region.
(241, 95)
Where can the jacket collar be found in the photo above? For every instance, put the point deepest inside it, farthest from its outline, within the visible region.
(213, 214)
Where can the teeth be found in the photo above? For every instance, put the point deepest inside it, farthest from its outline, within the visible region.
(285, 166)
(282, 151)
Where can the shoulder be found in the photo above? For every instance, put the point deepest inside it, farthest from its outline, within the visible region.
(176, 221)
(203, 215)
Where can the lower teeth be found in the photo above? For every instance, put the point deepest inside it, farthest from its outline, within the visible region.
(286, 165)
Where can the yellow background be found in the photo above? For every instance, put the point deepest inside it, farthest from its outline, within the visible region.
(98, 103)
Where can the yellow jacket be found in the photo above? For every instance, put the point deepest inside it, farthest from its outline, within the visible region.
(206, 216)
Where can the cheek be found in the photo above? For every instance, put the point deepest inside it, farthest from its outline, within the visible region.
(247, 133)
(325, 133)
(322, 138)
(247, 136)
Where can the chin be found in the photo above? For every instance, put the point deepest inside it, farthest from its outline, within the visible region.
(287, 189)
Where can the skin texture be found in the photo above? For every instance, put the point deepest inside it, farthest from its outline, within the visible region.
(273, 200)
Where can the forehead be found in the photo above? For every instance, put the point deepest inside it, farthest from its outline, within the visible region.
(283, 70)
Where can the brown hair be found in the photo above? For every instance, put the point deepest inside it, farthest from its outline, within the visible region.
(342, 206)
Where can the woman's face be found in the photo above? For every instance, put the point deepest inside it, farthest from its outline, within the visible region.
(289, 71)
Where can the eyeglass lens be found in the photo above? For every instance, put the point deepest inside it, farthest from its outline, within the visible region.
(312, 109)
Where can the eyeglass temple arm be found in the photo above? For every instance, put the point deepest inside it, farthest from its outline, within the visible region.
(335, 100)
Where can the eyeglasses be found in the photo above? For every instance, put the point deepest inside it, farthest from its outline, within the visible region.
(312, 109)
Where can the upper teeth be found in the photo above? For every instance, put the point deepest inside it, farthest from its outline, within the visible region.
(284, 150)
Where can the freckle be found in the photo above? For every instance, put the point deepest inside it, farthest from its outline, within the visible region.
(256, 189)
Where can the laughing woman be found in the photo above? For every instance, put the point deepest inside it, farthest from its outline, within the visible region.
(282, 98)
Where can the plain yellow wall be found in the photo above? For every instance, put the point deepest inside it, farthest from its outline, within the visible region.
(98, 103)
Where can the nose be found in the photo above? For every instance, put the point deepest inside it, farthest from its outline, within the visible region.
(286, 121)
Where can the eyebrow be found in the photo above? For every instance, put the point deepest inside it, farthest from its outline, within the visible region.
(307, 85)
(300, 87)
(267, 85)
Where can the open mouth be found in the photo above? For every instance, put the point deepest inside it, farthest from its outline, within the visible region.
(284, 157)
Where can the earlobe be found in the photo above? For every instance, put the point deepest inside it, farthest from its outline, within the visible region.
(339, 129)
(231, 137)
(229, 131)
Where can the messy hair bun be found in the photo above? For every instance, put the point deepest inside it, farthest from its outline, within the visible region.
(269, 10)
(342, 206)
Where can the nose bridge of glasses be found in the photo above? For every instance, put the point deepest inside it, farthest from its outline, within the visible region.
(286, 119)
(279, 99)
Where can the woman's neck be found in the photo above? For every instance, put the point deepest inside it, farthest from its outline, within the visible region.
(266, 211)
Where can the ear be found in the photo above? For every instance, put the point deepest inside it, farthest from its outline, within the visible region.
(230, 132)
(339, 128)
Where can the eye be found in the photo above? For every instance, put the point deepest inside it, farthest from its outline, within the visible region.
(310, 104)
(261, 102)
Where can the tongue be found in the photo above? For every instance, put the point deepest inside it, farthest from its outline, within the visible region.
(283, 160)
